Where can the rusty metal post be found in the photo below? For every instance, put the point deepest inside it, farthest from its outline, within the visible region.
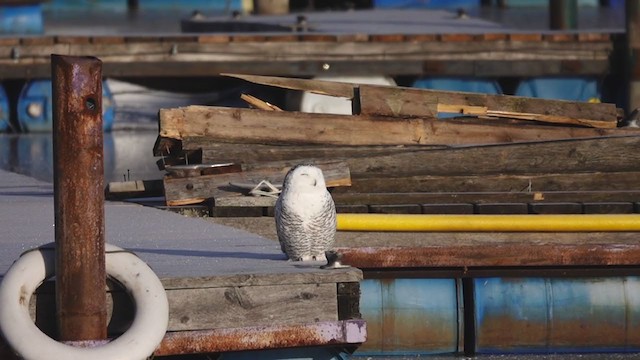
(79, 197)
(563, 14)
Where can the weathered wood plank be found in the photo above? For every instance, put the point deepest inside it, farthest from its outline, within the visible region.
(133, 189)
(498, 183)
(198, 309)
(602, 154)
(539, 197)
(264, 279)
(192, 190)
(257, 126)
(406, 102)
(614, 154)
(219, 152)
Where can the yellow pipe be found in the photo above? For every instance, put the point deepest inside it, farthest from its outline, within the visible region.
(497, 223)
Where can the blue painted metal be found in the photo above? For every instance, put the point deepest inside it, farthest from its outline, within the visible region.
(410, 316)
(476, 85)
(21, 19)
(5, 119)
(546, 315)
(560, 88)
(35, 107)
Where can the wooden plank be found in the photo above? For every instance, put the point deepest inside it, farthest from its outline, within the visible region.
(133, 189)
(264, 279)
(315, 86)
(197, 309)
(219, 152)
(465, 198)
(240, 125)
(602, 154)
(406, 102)
(620, 181)
(192, 190)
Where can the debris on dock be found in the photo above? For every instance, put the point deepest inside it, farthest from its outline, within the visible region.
(398, 142)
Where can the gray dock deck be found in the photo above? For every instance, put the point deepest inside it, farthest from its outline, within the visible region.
(223, 284)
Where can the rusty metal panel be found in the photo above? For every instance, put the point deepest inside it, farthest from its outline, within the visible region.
(557, 315)
(410, 316)
(337, 333)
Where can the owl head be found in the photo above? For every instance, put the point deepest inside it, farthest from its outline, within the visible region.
(306, 178)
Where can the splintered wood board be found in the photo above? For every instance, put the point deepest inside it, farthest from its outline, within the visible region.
(195, 189)
(283, 127)
(404, 102)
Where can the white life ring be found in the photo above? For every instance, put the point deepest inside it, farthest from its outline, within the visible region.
(138, 342)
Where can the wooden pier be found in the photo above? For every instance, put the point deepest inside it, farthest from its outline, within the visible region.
(402, 42)
(228, 290)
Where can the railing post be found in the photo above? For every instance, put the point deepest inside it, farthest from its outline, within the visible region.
(79, 197)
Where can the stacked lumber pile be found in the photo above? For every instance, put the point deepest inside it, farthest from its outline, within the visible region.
(394, 143)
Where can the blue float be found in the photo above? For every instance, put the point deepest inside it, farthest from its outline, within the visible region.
(410, 316)
(5, 118)
(557, 315)
(560, 88)
(21, 19)
(35, 106)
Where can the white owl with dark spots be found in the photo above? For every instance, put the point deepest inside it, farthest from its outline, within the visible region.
(305, 215)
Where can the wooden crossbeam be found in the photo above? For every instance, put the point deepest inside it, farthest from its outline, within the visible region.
(410, 102)
(283, 127)
(196, 189)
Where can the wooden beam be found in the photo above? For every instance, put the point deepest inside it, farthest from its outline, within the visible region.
(533, 197)
(258, 126)
(408, 102)
(601, 154)
(614, 181)
(195, 189)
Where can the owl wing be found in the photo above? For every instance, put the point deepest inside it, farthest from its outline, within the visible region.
(325, 227)
(291, 234)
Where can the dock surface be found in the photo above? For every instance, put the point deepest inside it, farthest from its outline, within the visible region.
(221, 282)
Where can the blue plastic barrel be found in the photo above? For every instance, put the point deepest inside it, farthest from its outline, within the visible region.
(5, 119)
(560, 88)
(555, 315)
(466, 84)
(35, 106)
(21, 19)
(409, 316)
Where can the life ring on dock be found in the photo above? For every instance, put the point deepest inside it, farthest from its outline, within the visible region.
(138, 342)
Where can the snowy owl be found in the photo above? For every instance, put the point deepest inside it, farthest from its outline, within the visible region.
(305, 215)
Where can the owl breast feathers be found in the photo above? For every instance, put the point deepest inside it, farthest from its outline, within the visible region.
(305, 215)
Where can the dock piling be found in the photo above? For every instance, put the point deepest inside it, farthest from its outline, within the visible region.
(79, 197)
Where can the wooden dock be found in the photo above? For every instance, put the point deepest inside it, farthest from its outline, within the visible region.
(228, 290)
(393, 42)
